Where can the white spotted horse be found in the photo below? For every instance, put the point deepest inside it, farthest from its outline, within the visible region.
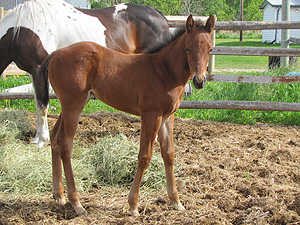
(33, 30)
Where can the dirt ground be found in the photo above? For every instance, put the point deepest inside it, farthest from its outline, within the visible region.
(229, 174)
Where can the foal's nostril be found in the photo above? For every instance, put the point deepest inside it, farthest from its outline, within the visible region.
(197, 84)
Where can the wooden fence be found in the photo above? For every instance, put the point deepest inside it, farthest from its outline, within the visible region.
(247, 105)
(239, 105)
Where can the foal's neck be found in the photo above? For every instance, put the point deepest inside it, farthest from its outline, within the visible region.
(175, 58)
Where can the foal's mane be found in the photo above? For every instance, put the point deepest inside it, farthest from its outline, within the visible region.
(174, 35)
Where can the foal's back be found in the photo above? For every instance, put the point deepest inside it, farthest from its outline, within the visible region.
(119, 80)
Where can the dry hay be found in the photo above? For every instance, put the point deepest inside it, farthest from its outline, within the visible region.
(226, 174)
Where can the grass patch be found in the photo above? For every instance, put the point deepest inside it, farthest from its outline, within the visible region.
(244, 62)
(25, 170)
(115, 162)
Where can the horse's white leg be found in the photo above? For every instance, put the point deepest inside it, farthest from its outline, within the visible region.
(165, 135)
(150, 125)
(42, 132)
(43, 126)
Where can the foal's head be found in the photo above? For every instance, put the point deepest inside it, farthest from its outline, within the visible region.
(198, 47)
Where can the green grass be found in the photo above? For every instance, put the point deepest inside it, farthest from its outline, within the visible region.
(244, 62)
(212, 91)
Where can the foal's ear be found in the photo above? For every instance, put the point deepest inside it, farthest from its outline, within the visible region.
(210, 23)
(190, 23)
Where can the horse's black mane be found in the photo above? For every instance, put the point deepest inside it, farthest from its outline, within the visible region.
(172, 37)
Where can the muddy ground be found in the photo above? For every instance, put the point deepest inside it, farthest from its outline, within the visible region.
(229, 174)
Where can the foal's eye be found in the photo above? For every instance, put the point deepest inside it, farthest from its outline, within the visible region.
(210, 50)
(187, 49)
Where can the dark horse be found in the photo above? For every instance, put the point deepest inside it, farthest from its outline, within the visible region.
(84, 69)
(33, 30)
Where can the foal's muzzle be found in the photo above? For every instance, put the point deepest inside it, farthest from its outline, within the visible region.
(197, 84)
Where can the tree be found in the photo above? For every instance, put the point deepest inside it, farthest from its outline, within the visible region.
(251, 10)
(104, 3)
(223, 9)
(167, 7)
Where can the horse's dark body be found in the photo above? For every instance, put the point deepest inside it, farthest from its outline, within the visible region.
(140, 30)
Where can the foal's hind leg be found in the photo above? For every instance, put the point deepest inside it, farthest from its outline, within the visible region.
(62, 137)
(165, 135)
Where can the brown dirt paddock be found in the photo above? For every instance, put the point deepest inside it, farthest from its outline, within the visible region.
(229, 174)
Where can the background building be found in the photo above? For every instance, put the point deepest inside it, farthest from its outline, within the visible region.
(273, 12)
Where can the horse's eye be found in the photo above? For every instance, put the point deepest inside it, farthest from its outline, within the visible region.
(210, 50)
(187, 49)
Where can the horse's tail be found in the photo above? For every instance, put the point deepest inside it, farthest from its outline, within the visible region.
(41, 84)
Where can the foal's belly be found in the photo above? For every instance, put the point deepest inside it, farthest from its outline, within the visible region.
(119, 101)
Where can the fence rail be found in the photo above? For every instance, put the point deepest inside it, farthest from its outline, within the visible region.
(243, 51)
(175, 21)
(237, 105)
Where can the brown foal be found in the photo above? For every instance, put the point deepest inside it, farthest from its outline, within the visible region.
(84, 69)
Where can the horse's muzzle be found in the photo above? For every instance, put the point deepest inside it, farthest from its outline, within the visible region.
(199, 85)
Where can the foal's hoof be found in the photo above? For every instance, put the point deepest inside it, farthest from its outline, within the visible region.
(179, 206)
(134, 213)
(80, 210)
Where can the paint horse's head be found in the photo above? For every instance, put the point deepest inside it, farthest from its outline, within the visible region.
(198, 47)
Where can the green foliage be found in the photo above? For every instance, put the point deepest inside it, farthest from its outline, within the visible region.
(223, 9)
(251, 10)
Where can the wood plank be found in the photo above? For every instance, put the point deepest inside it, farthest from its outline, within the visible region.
(241, 105)
(295, 40)
(256, 25)
(22, 95)
(175, 21)
(237, 105)
(252, 79)
(255, 51)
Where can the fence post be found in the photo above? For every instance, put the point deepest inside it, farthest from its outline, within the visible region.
(1, 16)
(1, 12)
(284, 61)
(211, 61)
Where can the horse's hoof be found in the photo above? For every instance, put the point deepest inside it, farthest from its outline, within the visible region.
(61, 201)
(179, 206)
(35, 140)
(41, 143)
(134, 213)
(80, 210)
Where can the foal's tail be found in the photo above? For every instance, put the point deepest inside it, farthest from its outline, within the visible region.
(41, 84)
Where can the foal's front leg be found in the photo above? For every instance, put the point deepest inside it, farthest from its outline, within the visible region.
(150, 125)
(165, 136)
